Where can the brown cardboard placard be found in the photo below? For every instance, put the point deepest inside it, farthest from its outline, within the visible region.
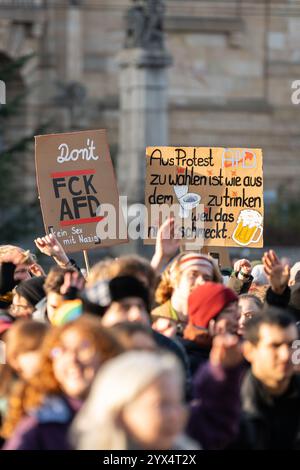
(223, 255)
(227, 182)
(75, 177)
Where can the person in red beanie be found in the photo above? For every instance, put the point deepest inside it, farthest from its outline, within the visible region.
(212, 310)
(214, 307)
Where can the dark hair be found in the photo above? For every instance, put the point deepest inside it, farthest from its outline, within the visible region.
(32, 290)
(273, 317)
(55, 279)
(126, 330)
(130, 328)
(253, 297)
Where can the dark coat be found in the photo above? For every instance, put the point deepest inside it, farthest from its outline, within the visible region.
(239, 286)
(174, 346)
(215, 410)
(47, 428)
(269, 422)
(196, 354)
(7, 283)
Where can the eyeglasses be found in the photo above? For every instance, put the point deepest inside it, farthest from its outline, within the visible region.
(19, 308)
(84, 354)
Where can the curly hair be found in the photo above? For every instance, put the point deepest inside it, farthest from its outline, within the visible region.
(29, 396)
(22, 337)
(28, 257)
(171, 275)
(165, 287)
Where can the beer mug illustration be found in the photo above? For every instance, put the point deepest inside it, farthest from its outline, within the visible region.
(249, 228)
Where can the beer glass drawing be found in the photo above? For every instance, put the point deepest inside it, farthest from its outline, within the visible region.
(249, 227)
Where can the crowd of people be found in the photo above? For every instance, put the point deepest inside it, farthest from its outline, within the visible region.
(176, 353)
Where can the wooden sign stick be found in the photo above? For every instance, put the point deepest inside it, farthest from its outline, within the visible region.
(87, 262)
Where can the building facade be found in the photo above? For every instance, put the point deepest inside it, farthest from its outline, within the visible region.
(234, 63)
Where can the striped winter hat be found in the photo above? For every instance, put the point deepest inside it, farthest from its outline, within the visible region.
(198, 260)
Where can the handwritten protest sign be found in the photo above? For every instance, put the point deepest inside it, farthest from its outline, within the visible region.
(227, 183)
(75, 177)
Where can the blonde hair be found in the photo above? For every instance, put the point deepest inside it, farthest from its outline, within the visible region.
(118, 383)
(171, 275)
(28, 257)
(165, 288)
(99, 272)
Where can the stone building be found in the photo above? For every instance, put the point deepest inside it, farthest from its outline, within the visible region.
(230, 83)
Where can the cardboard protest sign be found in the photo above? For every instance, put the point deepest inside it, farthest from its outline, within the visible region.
(75, 178)
(219, 189)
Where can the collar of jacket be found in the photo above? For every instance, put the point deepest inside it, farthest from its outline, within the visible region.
(56, 409)
(255, 396)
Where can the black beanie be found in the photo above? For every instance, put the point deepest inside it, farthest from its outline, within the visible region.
(32, 290)
(98, 298)
(128, 286)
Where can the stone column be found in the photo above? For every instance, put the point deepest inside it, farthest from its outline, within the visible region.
(74, 53)
(143, 115)
(143, 99)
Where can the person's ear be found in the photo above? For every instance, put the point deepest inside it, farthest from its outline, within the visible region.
(248, 351)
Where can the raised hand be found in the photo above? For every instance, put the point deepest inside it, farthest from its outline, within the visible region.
(73, 281)
(226, 351)
(165, 326)
(37, 270)
(243, 265)
(277, 273)
(50, 246)
(166, 244)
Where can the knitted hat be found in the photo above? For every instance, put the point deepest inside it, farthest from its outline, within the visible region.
(259, 275)
(294, 270)
(99, 297)
(32, 289)
(295, 298)
(195, 259)
(128, 286)
(207, 301)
